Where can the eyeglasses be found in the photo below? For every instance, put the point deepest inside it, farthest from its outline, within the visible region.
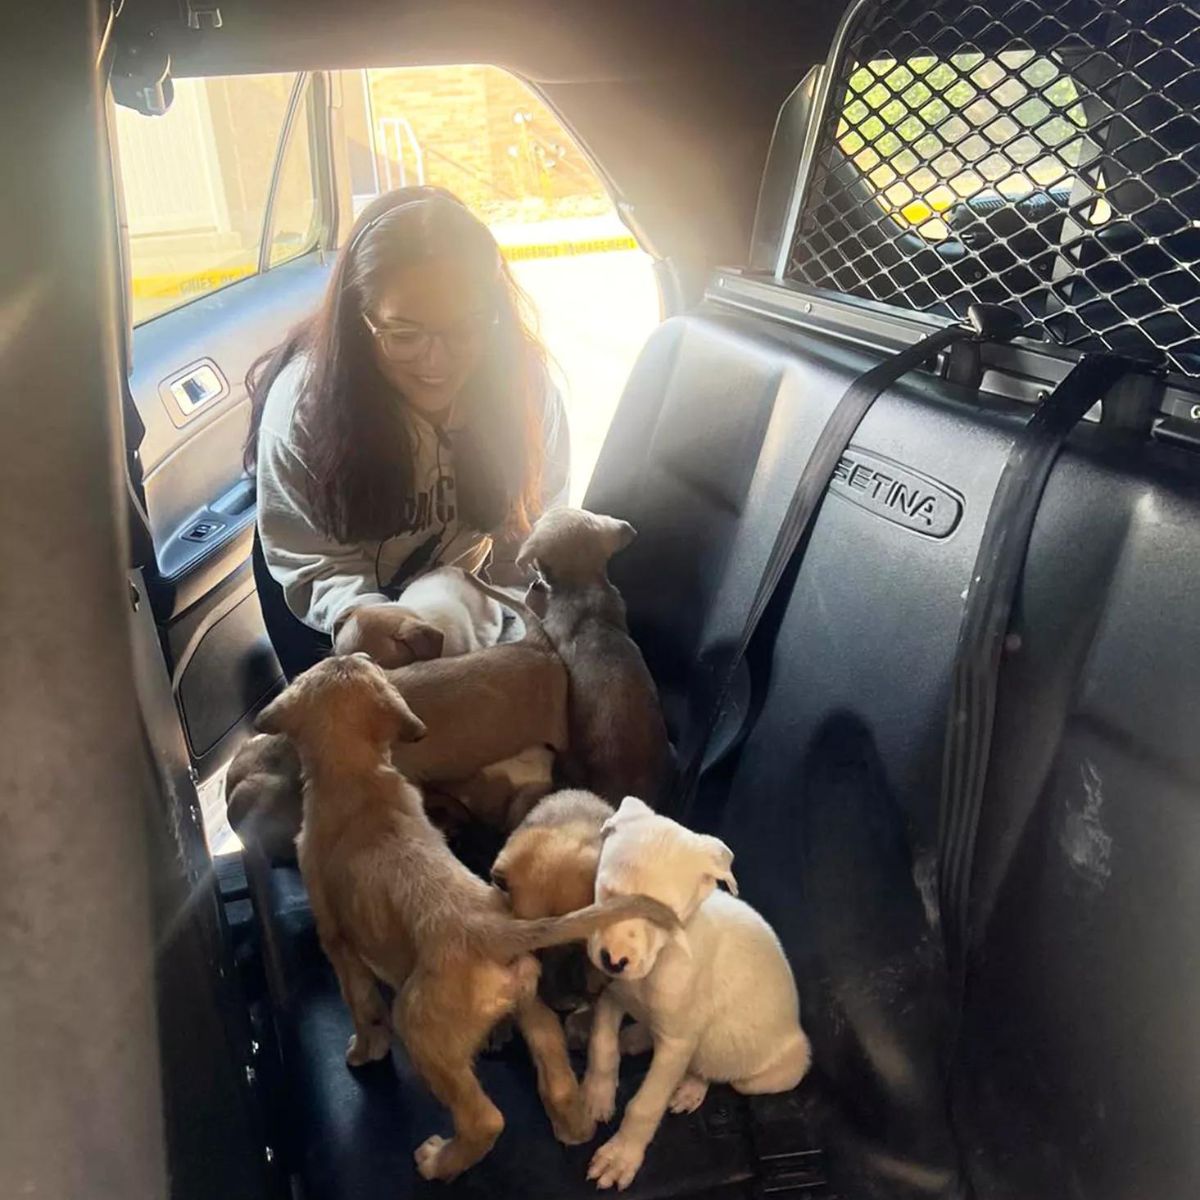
(407, 343)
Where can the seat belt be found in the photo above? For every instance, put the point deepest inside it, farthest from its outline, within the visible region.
(988, 322)
(984, 626)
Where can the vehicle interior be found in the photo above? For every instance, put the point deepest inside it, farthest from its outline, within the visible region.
(935, 670)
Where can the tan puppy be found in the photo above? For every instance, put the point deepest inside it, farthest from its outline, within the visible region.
(481, 709)
(260, 795)
(392, 635)
(392, 903)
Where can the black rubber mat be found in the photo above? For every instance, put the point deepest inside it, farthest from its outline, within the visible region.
(352, 1133)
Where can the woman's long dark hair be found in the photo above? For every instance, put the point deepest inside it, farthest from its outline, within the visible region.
(356, 451)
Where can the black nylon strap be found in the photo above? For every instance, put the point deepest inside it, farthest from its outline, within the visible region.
(802, 509)
(988, 607)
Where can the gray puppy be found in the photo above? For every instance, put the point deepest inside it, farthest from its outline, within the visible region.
(618, 742)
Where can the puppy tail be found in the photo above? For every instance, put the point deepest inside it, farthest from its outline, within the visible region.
(502, 937)
(518, 606)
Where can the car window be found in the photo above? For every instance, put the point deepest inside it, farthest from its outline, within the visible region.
(927, 133)
(196, 183)
(1053, 174)
(295, 212)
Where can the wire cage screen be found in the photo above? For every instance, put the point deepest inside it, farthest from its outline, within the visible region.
(1040, 155)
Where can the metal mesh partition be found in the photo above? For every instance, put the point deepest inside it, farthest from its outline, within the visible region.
(1041, 155)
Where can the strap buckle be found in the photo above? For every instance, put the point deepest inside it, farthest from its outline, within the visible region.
(988, 323)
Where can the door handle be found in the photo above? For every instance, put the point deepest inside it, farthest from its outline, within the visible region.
(196, 387)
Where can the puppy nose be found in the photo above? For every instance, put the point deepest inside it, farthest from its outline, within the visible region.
(613, 968)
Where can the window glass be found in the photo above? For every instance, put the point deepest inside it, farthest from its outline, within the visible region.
(295, 218)
(195, 183)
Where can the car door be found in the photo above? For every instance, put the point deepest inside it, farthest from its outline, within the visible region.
(230, 212)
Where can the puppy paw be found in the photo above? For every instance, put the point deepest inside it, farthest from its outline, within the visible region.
(370, 1046)
(573, 1125)
(599, 1096)
(430, 1156)
(616, 1163)
(689, 1095)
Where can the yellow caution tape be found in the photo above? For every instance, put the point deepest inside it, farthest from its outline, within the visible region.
(567, 249)
(189, 283)
(196, 283)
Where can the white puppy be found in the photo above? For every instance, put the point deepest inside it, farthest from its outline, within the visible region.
(446, 599)
(718, 999)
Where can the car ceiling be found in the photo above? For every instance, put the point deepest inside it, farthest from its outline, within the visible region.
(674, 99)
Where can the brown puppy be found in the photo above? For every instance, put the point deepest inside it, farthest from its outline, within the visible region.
(260, 795)
(618, 739)
(547, 868)
(392, 903)
(481, 709)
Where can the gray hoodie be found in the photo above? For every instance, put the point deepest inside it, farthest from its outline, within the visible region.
(323, 578)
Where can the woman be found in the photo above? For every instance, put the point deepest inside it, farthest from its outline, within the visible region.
(409, 423)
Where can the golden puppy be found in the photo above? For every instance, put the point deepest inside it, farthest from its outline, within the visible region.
(547, 868)
(392, 903)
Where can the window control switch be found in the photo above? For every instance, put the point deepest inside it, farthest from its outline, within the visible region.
(202, 531)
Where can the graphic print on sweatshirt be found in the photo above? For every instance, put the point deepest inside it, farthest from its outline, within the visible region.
(432, 506)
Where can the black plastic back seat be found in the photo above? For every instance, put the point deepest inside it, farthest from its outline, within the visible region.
(1084, 974)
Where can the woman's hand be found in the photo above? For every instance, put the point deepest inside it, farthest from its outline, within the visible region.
(391, 634)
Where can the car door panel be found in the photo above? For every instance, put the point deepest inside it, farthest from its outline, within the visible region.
(200, 501)
(188, 375)
(194, 474)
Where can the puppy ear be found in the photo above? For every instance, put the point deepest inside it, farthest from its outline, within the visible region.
(279, 717)
(422, 641)
(720, 862)
(527, 555)
(631, 808)
(615, 534)
(404, 724)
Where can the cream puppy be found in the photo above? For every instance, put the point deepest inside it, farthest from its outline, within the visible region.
(468, 619)
(717, 999)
